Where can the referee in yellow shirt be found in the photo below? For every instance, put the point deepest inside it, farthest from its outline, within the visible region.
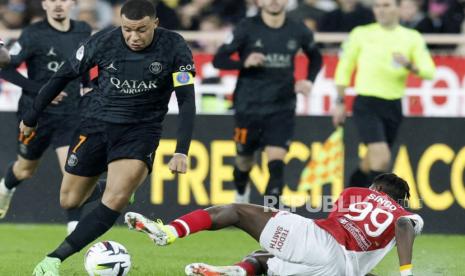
(383, 53)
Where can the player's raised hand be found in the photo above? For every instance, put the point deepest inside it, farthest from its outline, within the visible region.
(303, 87)
(178, 163)
(255, 59)
(60, 97)
(26, 130)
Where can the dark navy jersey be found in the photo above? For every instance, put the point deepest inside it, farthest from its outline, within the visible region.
(270, 88)
(132, 87)
(44, 50)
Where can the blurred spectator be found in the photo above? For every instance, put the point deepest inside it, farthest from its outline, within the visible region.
(210, 23)
(168, 16)
(97, 13)
(191, 13)
(251, 8)
(446, 15)
(349, 15)
(308, 13)
(19, 13)
(411, 16)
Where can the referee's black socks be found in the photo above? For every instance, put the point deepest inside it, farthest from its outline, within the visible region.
(241, 178)
(10, 178)
(92, 226)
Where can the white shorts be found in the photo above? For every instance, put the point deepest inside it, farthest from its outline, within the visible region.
(300, 247)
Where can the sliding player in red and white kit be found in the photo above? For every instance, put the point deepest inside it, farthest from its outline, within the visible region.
(365, 224)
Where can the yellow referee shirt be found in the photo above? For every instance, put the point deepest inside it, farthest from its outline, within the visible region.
(370, 50)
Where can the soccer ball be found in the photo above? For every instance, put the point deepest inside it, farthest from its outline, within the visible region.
(107, 258)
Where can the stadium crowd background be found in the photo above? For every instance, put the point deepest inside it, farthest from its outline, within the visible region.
(427, 16)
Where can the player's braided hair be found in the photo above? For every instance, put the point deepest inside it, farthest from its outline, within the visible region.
(394, 186)
(138, 9)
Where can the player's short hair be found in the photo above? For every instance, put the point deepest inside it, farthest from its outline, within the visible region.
(138, 9)
(394, 186)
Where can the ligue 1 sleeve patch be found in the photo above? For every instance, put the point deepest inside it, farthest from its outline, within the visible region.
(16, 49)
(80, 53)
(182, 78)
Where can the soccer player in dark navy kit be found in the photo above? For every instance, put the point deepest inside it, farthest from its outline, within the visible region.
(264, 98)
(44, 46)
(140, 65)
(4, 56)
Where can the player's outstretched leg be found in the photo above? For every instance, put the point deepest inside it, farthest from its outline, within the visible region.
(16, 173)
(254, 264)
(124, 176)
(247, 217)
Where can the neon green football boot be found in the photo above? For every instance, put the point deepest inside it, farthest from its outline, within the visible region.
(47, 267)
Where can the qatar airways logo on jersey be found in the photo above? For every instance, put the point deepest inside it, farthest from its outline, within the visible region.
(54, 66)
(274, 60)
(133, 86)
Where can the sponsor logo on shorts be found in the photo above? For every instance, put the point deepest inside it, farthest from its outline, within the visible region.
(72, 160)
(155, 67)
(279, 237)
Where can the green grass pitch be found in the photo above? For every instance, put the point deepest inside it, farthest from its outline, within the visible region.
(23, 245)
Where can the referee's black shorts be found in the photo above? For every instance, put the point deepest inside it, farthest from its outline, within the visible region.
(377, 120)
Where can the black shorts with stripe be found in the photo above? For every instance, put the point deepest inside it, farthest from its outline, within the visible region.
(95, 144)
(254, 132)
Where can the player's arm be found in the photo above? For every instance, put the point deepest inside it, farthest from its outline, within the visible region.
(73, 68)
(4, 56)
(344, 69)
(186, 101)
(20, 52)
(315, 62)
(183, 83)
(86, 80)
(406, 229)
(423, 64)
(234, 42)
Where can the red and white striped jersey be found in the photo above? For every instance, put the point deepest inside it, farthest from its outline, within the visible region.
(363, 223)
